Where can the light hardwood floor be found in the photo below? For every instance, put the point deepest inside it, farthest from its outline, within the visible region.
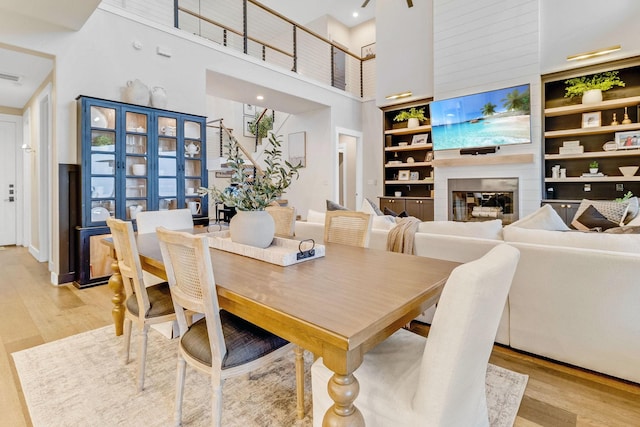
(33, 312)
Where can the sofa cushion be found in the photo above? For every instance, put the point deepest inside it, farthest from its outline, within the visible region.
(610, 209)
(575, 239)
(481, 229)
(544, 218)
(591, 218)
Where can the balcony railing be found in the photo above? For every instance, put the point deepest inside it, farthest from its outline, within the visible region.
(256, 30)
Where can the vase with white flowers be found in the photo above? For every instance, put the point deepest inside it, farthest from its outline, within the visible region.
(252, 189)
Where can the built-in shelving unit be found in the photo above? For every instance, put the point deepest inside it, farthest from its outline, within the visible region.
(564, 121)
(408, 164)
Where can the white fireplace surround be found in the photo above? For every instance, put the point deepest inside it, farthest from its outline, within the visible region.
(460, 206)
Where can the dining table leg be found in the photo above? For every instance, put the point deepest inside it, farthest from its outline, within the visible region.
(343, 389)
(117, 286)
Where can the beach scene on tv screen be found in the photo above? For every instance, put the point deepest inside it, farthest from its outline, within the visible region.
(497, 117)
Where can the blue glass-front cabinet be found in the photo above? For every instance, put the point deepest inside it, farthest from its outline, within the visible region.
(133, 159)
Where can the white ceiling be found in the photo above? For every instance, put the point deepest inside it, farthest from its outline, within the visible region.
(305, 11)
(32, 71)
(72, 14)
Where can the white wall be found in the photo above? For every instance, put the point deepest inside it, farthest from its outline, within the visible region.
(90, 63)
(569, 27)
(488, 46)
(404, 43)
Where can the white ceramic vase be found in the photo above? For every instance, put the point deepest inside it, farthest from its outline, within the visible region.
(158, 97)
(592, 96)
(136, 92)
(253, 228)
(413, 123)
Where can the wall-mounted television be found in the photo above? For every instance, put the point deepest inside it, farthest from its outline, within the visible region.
(487, 119)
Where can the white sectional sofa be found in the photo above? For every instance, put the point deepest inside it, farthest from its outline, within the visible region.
(575, 297)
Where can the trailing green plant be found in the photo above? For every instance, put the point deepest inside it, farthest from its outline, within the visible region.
(251, 191)
(412, 113)
(264, 125)
(593, 165)
(603, 81)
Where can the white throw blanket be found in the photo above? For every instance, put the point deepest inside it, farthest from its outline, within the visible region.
(400, 238)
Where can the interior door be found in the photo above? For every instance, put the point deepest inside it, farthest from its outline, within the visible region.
(8, 144)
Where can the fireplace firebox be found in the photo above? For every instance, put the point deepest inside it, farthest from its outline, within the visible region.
(482, 199)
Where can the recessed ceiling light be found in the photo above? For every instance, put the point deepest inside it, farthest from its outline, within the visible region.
(355, 14)
(259, 97)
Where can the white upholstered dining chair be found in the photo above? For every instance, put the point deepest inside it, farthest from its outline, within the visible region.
(173, 219)
(408, 380)
(284, 218)
(348, 228)
(220, 344)
(145, 305)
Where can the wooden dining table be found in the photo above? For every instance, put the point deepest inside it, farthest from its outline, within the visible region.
(338, 306)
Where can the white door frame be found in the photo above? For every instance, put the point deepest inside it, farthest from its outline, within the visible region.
(25, 190)
(16, 151)
(359, 163)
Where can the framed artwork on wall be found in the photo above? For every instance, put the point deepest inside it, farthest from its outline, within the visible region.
(298, 148)
(245, 126)
(249, 110)
(368, 51)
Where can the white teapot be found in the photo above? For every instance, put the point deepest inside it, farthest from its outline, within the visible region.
(134, 210)
(192, 149)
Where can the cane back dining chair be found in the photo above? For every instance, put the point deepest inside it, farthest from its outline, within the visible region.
(144, 305)
(348, 228)
(284, 218)
(408, 380)
(173, 219)
(220, 344)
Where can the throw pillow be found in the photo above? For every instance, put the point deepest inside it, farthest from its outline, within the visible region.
(402, 214)
(612, 210)
(369, 206)
(592, 218)
(333, 206)
(632, 210)
(384, 222)
(388, 211)
(545, 218)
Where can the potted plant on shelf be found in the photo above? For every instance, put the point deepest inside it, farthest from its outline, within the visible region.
(251, 191)
(593, 167)
(412, 116)
(591, 87)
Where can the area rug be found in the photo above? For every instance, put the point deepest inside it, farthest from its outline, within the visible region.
(82, 381)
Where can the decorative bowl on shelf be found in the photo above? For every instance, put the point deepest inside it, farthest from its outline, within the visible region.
(628, 170)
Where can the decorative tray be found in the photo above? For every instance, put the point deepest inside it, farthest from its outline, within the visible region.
(281, 252)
